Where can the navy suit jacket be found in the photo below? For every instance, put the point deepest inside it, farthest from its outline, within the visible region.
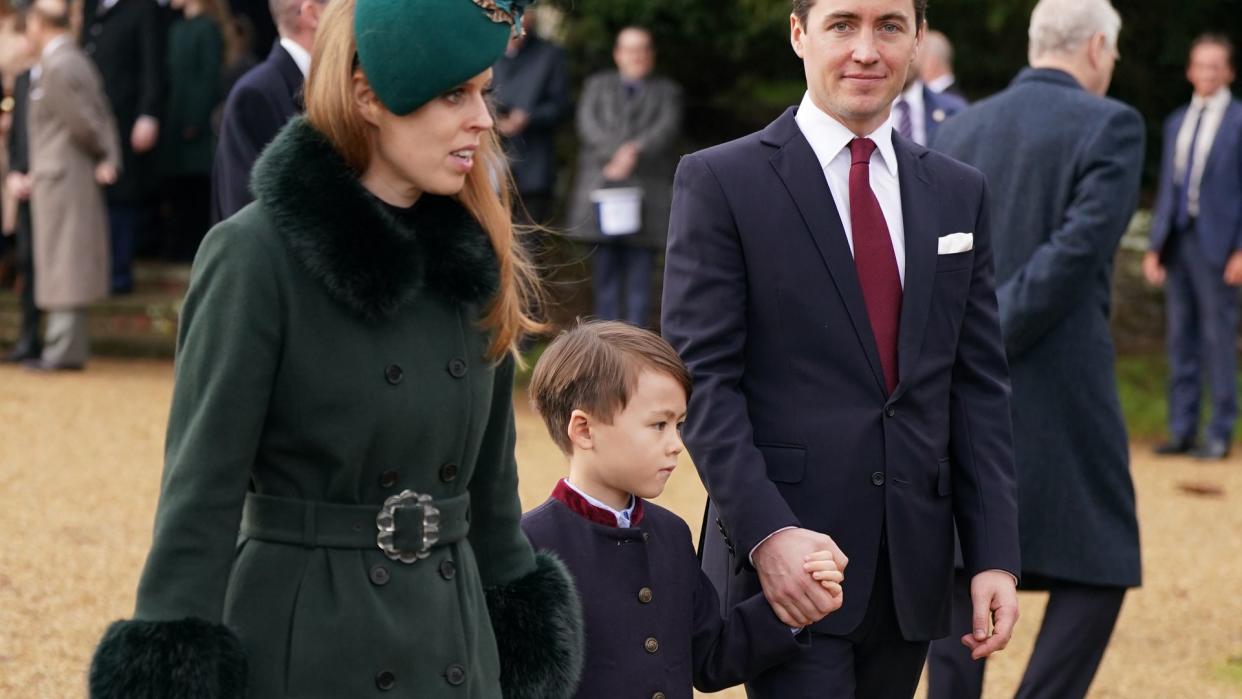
(261, 102)
(790, 423)
(1219, 225)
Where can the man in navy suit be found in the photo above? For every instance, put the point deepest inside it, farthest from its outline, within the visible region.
(1064, 188)
(261, 102)
(829, 284)
(919, 111)
(1196, 248)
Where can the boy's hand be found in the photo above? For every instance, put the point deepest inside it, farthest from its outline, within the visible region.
(823, 569)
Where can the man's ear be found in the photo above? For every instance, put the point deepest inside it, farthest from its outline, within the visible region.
(579, 430)
(797, 33)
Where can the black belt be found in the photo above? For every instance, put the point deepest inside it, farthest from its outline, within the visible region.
(405, 528)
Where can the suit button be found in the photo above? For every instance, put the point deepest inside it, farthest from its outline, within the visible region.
(388, 479)
(645, 596)
(457, 368)
(96, 29)
(385, 680)
(455, 674)
(890, 411)
(448, 473)
(379, 575)
(448, 570)
(394, 374)
(651, 645)
(658, 695)
(877, 478)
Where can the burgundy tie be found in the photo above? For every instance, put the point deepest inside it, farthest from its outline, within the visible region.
(874, 259)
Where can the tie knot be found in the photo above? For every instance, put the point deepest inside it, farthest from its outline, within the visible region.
(861, 150)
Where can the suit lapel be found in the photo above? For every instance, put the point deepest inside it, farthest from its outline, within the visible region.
(1227, 121)
(795, 163)
(918, 207)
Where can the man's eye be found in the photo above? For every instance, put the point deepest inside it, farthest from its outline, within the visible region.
(890, 28)
(840, 27)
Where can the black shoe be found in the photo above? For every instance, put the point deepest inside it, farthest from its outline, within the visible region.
(49, 367)
(1213, 450)
(1176, 446)
(20, 354)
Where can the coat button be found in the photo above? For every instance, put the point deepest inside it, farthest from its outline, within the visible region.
(890, 411)
(645, 595)
(651, 645)
(448, 473)
(379, 575)
(877, 478)
(457, 368)
(448, 569)
(394, 374)
(385, 680)
(455, 674)
(388, 479)
(658, 695)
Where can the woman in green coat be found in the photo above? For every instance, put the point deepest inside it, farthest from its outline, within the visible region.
(339, 514)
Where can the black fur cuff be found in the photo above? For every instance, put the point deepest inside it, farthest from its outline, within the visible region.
(538, 625)
(187, 659)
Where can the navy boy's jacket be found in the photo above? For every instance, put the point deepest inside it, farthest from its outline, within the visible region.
(653, 623)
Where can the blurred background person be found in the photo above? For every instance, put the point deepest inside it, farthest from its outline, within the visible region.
(1064, 187)
(29, 343)
(629, 121)
(125, 38)
(936, 64)
(74, 150)
(918, 111)
(261, 102)
(187, 143)
(1196, 251)
(532, 101)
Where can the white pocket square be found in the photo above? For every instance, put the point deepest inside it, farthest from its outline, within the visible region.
(954, 243)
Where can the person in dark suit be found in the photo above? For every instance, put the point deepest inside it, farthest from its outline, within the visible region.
(830, 286)
(1196, 248)
(125, 38)
(936, 64)
(919, 111)
(612, 396)
(261, 102)
(29, 343)
(1064, 188)
(532, 101)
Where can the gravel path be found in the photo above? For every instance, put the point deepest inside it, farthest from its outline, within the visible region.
(80, 459)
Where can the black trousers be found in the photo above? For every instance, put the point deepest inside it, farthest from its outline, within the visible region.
(872, 662)
(29, 341)
(1077, 626)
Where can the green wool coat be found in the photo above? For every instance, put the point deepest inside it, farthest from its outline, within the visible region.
(194, 62)
(331, 351)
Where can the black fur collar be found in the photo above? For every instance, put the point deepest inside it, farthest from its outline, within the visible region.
(371, 260)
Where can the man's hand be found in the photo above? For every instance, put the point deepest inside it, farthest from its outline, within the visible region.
(513, 123)
(105, 174)
(797, 598)
(19, 184)
(1152, 269)
(1233, 269)
(145, 134)
(623, 163)
(995, 598)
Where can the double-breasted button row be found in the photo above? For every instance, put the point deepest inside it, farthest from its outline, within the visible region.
(385, 680)
(645, 595)
(393, 373)
(455, 674)
(651, 645)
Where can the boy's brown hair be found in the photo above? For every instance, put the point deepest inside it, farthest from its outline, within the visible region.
(594, 367)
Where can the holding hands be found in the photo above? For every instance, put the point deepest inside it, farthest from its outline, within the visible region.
(801, 572)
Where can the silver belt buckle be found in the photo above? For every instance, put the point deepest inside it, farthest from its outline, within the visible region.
(386, 522)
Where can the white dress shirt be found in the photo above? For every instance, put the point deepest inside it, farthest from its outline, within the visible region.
(1213, 109)
(942, 83)
(913, 97)
(300, 56)
(623, 516)
(830, 140)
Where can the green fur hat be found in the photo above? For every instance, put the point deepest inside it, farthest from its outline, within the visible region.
(414, 50)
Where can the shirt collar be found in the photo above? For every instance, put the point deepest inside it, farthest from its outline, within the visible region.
(828, 137)
(942, 83)
(54, 44)
(913, 95)
(594, 510)
(300, 56)
(1216, 100)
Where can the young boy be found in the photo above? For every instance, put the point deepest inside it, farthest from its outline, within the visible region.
(613, 397)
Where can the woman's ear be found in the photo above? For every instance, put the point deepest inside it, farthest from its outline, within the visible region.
(579, 431)
(365, 101)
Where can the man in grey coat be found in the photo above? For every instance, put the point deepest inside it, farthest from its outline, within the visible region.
(1064, 186)
(74, 150)
(628, 124)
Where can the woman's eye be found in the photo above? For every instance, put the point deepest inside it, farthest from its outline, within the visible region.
(455, 96)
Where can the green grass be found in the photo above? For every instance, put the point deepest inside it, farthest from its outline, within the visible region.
(1230, 671)
(1142, 380)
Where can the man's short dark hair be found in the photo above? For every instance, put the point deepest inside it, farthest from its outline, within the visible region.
(802, 8)
(1214, 39)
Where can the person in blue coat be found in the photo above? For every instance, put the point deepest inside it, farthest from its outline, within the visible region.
(1196, 250)
(1064, 187)
(613, 397)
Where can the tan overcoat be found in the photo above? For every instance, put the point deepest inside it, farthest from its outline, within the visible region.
(71, 131)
